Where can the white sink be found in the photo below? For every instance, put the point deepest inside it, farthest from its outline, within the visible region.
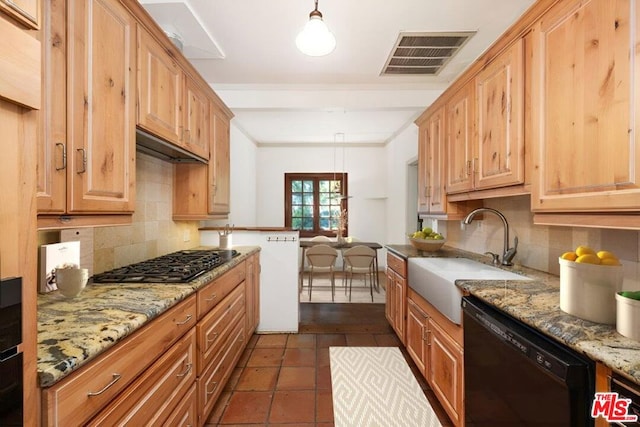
(434, 279)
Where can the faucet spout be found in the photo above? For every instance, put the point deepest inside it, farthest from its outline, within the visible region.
(507, 253)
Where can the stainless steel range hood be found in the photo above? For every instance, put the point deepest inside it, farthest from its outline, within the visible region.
(156, 147)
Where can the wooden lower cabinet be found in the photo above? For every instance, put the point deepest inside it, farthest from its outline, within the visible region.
(152, 398)
(436, 346)
(396, 294)
(252, 294)
(171, 372)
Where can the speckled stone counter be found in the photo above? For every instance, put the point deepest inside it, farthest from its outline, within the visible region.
(537, 303)
(72, 331)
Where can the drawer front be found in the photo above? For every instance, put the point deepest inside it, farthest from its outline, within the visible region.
(215, 328)
(152, 397)
(397, 264)
(215, 291)
(212, 381)
(186, 413)
(77, 398)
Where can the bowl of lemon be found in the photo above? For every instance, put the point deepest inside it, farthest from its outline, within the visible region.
(427, 240)
(589, 281)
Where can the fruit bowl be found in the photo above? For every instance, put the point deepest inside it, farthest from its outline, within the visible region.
(428, 245)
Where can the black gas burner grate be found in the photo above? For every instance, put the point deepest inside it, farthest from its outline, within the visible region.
(176, 267)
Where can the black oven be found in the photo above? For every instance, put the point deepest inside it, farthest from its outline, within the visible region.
(11, 384)
(515, 376)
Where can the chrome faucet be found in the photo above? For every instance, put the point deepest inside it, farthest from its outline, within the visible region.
(508, 253)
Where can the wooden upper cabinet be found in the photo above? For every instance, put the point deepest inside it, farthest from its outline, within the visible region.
(431, 156)
(220, 165)
(51, 173)
(101, 143)
(26, 12)
(585, 78)
(160, 88)
(196, 125)
(460, 140)
(499, 160)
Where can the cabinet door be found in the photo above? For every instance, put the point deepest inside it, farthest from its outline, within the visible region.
(52, 152)
(220, 166)
(101, 107)
(417, 335)
(160, 90)
(460, 117)
(423, 169)
(399, 299)
(196, 122)
(446, 371)
(252, 283)
(389, 308)
(26, 12)
(499, 120)
(587, 151)
(435, 162)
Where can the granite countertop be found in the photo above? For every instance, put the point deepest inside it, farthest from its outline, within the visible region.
(537, 304)
(72, 331)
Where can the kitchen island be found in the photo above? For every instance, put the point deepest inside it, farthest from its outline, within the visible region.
(537, 304)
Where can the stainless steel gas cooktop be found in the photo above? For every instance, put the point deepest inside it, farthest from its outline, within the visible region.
(176, 267)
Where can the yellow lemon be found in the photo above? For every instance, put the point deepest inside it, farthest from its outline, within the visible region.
(588, 259)
(584, 250)
(570, 256)
(606, 255)
(609, 261)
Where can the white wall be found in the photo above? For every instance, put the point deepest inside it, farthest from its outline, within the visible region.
(243, 181)
(366, 168)
(400, 152)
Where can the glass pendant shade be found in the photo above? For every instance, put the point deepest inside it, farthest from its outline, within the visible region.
(316, 39)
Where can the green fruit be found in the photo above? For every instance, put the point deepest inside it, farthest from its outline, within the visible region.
(631, 294)
(427, 230)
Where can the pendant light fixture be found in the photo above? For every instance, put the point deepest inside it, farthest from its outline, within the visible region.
(316, 39)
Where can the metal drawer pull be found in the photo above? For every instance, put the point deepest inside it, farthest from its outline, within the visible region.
(213, 296)
(185, 321)
(186, 372)
(84, 160)
(115, 379)
(215, 337)
(64, 156)
(215, 386)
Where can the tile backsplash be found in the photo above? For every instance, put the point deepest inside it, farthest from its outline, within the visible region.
(152, 232)
(540, 246)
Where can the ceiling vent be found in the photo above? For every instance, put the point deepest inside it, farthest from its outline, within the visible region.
(424, 53)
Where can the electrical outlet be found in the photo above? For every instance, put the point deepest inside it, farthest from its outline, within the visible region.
(186, 236)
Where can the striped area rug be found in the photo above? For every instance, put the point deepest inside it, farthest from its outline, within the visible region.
(374, 386)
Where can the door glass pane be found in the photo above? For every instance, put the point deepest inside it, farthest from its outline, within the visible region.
(296, 186)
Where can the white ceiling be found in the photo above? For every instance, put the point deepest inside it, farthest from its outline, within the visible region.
(246, 50)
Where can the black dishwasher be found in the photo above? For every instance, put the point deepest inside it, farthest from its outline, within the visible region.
(515, 376)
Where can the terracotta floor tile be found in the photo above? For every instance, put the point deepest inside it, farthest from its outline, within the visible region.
(361, 340)
(265, 357)
(219, 408)
(324, 406)
(272, 340)
(299, 357)
(296, 378)
(323, 378)
(387, 340)
(329, 340)
(322, 356)
(233, 379)
(301, 341)
(247, 407)
(256, 379)
(246, 354)
(293, 407)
